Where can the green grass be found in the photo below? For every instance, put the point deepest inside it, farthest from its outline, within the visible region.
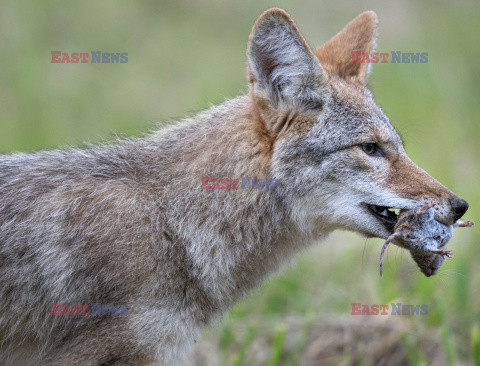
(475, 345)
(239, 359)
(412, 349)
(277, 345)
(183, 56)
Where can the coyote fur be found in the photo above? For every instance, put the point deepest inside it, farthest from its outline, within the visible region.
(128, 223)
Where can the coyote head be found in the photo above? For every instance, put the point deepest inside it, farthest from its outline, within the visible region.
(339, 161)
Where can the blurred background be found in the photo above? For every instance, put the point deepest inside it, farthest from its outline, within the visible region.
(184, 56)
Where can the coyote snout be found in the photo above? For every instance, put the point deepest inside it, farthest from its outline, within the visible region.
(410, 181)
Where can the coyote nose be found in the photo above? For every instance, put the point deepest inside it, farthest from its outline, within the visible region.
(459, 206)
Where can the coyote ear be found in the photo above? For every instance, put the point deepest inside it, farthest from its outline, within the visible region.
(281, 66)
(335, 55)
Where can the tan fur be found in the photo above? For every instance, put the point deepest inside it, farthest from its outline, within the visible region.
(336, 54)
(414, 182)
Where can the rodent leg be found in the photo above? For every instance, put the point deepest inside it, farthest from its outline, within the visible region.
(442, 252)
(463, 224)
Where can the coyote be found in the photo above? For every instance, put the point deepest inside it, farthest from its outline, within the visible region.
(128, 224)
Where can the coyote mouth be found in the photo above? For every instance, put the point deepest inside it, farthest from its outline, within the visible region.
(385, 214)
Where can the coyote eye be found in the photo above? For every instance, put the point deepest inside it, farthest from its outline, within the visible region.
(369, 148)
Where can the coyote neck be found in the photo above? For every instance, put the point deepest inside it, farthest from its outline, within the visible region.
(231, 238)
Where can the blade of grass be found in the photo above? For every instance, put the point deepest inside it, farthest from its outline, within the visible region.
(247, 341)
(277, 345)
(475, 345)
(446, 336)
(301, 342)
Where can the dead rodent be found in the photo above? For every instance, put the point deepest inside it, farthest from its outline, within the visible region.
(425, 238)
